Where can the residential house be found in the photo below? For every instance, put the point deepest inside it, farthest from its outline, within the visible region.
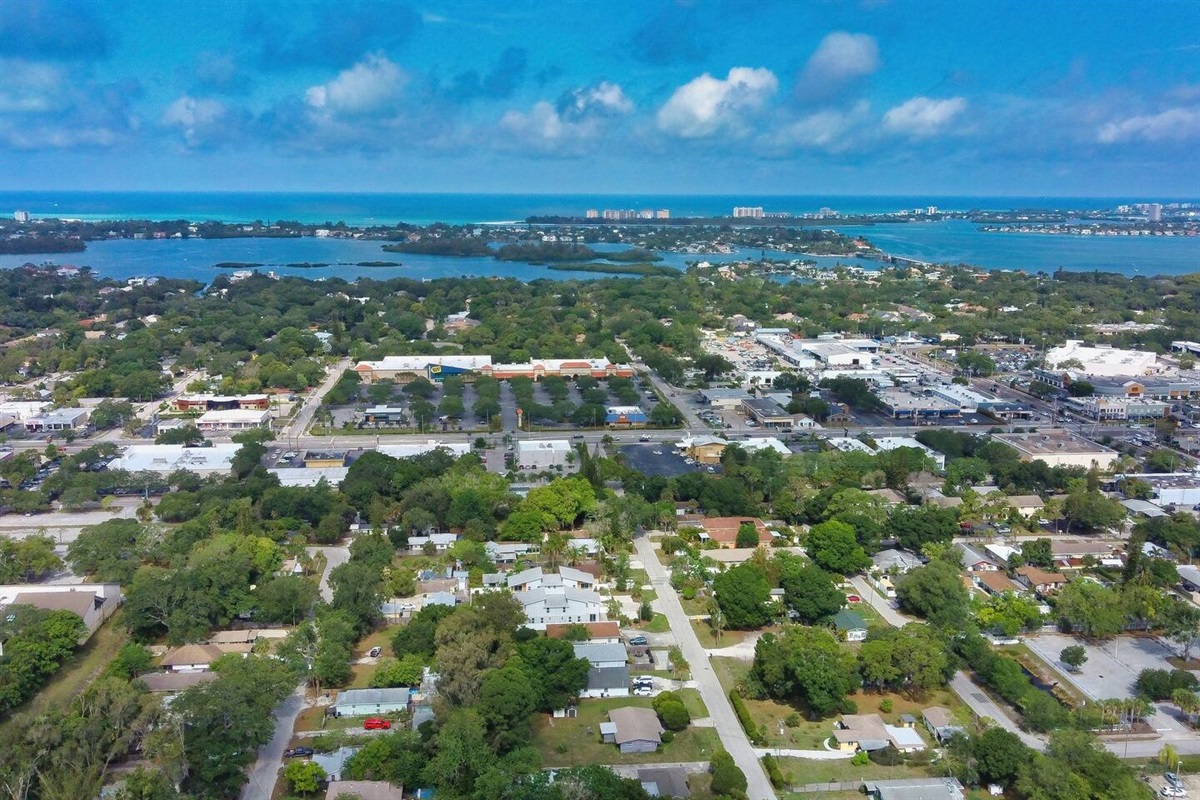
(1027, 505)
(869, 732)
(1041, 581)
(172, 683)
(665, 782)
(724, 530)
(851, 625)
(893, 560)
(334, 762)
(439, 541)
(93, 602)
(364, 790)
(976, 561)
(915, 789)
(602, 655)
(536, 578)
(940, 723)
(995, 583)
(364, 702)
(508, 552)
(633, 730)
(191, 658)
(563, 605)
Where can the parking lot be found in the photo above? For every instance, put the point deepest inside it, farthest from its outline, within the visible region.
(1111, 669)
(661, 459)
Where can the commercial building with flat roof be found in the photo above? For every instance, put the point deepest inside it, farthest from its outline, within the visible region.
(406, 368)
(1101, 361)
(411, 449)
(1119, 409)
(885, 443)
(238, 419)
(166, 458)
(218, 402)
(62, 419)
(767, 412)
(1059, 449)
(542, 454)
(905, 404)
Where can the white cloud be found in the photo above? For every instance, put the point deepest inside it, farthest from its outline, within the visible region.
(196, 118)
(839, 59)
(368, 86)
(923, 116)
(603, 98)
(1172, 125)
(831, 130)
(706, 105)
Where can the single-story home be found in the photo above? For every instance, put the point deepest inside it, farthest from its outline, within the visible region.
(869, 732)
(1027, 505)
(975, 561)
(363, 702)
(850, 624)
(723, 530)
(898, 560)
(994, 583)
(175, 682)
(915, 789)
(1041, 581)
(191, 658)
(940, 723)
(364, 790)
(602, 654)
(633, 730)
(607, 682)
(665, 782)
(334, 762)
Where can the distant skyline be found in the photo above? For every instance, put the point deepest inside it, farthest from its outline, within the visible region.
(759, 98)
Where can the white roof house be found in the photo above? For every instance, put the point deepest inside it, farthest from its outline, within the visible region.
(602, 654)
(166, 458)
(309, 476)
(562, 606)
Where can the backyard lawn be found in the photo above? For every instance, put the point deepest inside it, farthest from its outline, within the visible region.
(799, 771)
(569, 742)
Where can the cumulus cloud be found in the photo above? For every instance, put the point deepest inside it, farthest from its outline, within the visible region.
(923, 116)
(369, 86)
(830, 130)
(839, 60)
(199, 121)
(706, 105)
(604, 98)
(499, 82)
(580, 115)
(1172, 125)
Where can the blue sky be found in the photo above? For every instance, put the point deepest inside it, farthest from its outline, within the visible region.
(862, 97)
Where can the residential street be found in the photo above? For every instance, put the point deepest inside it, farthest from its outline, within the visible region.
(265, 772)
(733, 738)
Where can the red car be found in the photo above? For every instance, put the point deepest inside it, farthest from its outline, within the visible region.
(376, 724)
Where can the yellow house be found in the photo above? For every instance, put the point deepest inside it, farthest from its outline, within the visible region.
(705, 449)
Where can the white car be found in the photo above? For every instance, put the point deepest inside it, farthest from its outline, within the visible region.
(643, 691)
(1173, 791)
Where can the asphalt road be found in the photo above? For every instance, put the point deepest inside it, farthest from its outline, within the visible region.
(733, 738)
(265, 773)
(304, 416)
(334, 557)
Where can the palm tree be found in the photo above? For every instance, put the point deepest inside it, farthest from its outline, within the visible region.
(554, 547)
(1168, 756)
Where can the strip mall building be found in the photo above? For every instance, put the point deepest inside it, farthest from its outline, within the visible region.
(403, 369)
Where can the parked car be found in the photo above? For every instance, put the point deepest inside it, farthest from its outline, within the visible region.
(374, 652)
(639, 641)
(1173, 779)
(643, 691)
(1172, 791)
(639, 683)
(376, 724)
(298, 752)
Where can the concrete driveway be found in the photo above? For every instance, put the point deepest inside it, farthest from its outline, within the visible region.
(334, 557)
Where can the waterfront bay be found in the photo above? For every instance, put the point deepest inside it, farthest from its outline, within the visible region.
(950, 241)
